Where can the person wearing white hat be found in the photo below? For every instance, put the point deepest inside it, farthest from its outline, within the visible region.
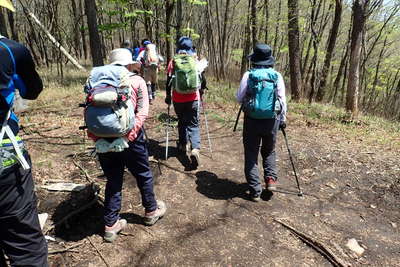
(134, 157)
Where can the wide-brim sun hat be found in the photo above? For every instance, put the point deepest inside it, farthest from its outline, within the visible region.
(262, 55)
(121, 56)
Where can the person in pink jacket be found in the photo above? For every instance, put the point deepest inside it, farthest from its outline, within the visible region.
(134, 157)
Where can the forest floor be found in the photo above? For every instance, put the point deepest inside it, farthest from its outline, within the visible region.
(349, 173)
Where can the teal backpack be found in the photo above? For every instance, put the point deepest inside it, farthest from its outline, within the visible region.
(261, 100)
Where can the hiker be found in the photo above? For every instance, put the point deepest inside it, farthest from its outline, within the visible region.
(262, 94)
(184, 76)
(120, 139)
(150, 60)
(21, 238)
(127, 45)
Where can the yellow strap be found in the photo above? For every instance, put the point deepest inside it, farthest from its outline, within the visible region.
(7, 4)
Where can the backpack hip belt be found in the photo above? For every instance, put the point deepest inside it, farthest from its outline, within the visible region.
(8, 154)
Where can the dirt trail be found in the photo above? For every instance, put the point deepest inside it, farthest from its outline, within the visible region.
(352, 191)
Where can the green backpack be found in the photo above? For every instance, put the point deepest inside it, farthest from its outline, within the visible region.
(186, 76)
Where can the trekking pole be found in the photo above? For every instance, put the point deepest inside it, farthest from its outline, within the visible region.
(300, 194)
(167, 137)
(237, 118)
(208, 133)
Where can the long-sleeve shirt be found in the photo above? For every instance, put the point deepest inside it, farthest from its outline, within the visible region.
(140, 98)
(29, 83)
(241, 92)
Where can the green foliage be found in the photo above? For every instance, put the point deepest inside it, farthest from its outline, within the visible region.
(236, 55)
(197, 2)
(112, 26)
(191, 32)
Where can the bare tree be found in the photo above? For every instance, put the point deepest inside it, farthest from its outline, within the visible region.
(330, 49)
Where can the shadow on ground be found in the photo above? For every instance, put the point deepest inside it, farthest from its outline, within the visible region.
(211, 186)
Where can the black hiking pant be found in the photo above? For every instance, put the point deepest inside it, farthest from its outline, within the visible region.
(256, 132)
(21, 238)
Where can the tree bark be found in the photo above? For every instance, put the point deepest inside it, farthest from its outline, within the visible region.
(3, 26)
(94, 37)
(329, 51)
(294, 49)
(169, 9)
(179, 18)
(253, 22)
(359, 17)
(266, 7)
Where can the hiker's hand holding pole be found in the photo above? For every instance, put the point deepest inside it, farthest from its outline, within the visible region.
(282, 125)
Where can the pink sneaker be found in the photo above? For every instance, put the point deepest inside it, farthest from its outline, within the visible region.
(271, 183)
(152, 217)
(111, 232)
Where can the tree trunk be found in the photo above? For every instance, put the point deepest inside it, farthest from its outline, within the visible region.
(169, 9)
(94, 37)
(3, 26)
(359, 17)
(294, 49)
(253, 22)
(329, 51)
(11, 22)
(247, 44)
(266, 8)
(179, 18)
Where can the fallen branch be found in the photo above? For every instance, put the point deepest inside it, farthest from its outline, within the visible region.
(84, 207)
(68, 249)
(88, 178)
(98, 251)
(316, 245)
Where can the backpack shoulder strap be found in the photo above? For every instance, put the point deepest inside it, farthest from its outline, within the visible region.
(11, 56)
(5, 128)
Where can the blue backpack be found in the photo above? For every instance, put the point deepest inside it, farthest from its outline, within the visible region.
(109, 110)
(261, 98)
(11, 149)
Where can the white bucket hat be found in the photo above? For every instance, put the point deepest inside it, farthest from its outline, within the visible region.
(121, 56)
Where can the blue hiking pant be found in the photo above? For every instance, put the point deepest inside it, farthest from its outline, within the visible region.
(21, 238)
(136, 159)
(256, 132)
(188, 123)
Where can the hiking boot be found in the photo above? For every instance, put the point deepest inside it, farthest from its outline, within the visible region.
(255, 198)
(271, 183)
(195, 157)
(152, 217)
(111, 232)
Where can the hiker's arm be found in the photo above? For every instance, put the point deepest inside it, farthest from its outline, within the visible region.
(282, 96)
(31, 85)
(140, 56)
(142, 107)
(241, 92)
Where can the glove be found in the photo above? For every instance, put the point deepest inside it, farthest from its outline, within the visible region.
(282, 125)
(168, 100)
